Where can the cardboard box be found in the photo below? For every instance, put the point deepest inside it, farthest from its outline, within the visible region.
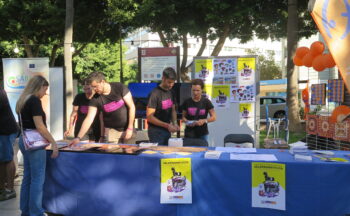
(276, 144)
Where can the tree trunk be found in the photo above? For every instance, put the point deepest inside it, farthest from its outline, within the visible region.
(221, 41)
(292, 75)
(162, 38)
(203, 45)
(53, 55)
(183, 68)
(28, 47)
(68, 39)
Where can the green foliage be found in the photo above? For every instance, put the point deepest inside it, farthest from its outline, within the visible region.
(103, 57)
(269, 70)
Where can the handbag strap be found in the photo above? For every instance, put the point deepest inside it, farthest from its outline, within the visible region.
(21, 123)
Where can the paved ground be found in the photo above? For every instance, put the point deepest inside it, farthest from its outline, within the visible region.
(11, 207)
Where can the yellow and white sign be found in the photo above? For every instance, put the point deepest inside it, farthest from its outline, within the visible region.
(269, 185)
(176, 181)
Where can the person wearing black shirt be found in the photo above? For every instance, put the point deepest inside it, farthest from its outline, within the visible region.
(115, 102)
(79, 112)
(161, 113)
(8, 134)
(32, 116)
(195, 112)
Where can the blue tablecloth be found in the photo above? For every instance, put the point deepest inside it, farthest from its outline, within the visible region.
(117, 185)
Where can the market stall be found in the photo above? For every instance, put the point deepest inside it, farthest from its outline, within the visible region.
(79, 183)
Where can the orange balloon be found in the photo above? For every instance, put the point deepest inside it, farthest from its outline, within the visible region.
(297, 61)
(328, 60)
(307, 60)
(318, 63)
(301, 52)
(317, 48)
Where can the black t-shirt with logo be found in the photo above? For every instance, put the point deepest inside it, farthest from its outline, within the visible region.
(162, 101)
(31, 108)
(82, 102)
(115, 111)
(7, 120)
(191, 107)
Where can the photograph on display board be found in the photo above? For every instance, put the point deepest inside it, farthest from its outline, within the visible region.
(176, 180)
(204, 69)
(242, 93)
(245, 110)
(269, 185)
(225, 67)
(220, 96)
(246, 70)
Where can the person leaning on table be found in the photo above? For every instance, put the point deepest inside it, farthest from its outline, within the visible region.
(161, 113)
(196, 109)
(115, 102)
(33, 117)
(80, 109)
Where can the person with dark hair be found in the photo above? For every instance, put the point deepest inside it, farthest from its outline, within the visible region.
(115, 102)
(79, 112)
(8, 134)
(161, 113)
(32, 116)
(195, 111)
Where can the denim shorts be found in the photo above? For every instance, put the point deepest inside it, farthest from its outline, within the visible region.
(6, 147)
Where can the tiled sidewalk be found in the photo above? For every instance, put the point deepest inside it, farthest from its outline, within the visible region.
(11, 207)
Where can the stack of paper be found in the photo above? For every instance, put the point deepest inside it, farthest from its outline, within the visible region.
(175, 142)
(298, 148)
(212, 154)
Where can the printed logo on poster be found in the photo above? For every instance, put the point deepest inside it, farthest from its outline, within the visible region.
(16, 82)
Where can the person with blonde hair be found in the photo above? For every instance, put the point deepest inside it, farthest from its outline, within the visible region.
(30, 110)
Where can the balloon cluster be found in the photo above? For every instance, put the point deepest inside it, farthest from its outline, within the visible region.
(313, 57)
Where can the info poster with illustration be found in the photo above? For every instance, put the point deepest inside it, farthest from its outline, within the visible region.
(245, 110)
(176, 181)
(225, 67)
(242, 93)
(220, 96)
(246, 71)
(269, 185)
(204, 70)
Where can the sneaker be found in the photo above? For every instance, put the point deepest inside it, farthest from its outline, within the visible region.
(7, 194)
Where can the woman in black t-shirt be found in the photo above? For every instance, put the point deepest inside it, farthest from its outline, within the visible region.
(79, 113)
(33, 117)
(195, 111)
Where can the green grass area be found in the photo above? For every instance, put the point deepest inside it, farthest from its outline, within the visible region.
(293, 137)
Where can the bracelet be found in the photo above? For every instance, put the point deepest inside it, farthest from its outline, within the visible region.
(130, 129)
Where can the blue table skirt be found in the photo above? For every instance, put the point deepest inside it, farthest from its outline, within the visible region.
(117, 185)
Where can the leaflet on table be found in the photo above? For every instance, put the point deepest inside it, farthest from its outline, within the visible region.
(212, 154)
(235, 150)
(176, 181)
(269, 185)
(253, 157)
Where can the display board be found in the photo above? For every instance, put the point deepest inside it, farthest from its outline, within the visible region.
(152, 61)
(232, 85)
(18, 71)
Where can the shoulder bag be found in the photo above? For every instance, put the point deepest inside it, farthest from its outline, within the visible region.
(32, 139)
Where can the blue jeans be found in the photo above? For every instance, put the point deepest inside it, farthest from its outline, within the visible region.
(158, 135)
(6, 147)
(33, 181)
(205, 137)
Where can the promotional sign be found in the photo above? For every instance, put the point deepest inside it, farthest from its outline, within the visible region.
(17, 72)
(333, 21)
(204, 70)
(176, 181)
(246, 71)
(269, 185)
(154, 60)
(245, 110)
(220, 96)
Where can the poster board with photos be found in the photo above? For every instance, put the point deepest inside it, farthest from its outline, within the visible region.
(232, 85)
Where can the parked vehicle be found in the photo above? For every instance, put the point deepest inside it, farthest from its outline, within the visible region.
(276, 106)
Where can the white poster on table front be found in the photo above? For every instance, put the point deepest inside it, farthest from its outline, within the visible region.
(176, 181)
(269, 185)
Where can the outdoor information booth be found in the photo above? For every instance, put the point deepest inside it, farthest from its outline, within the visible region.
(232, 85)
